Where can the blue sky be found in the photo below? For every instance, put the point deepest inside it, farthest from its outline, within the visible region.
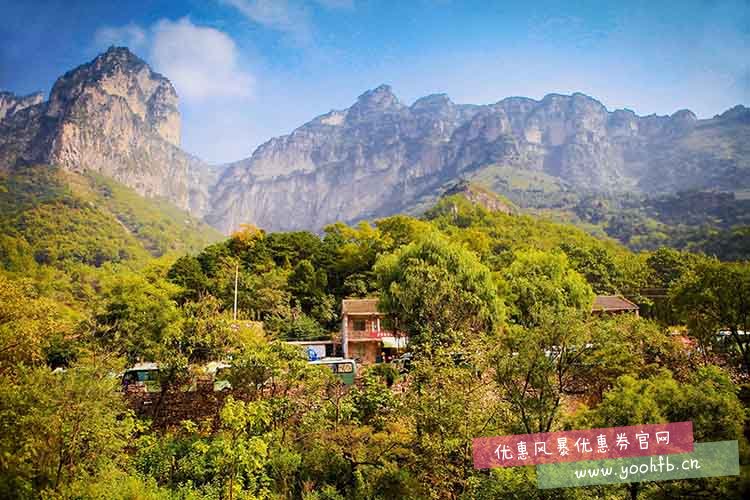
(247, 70)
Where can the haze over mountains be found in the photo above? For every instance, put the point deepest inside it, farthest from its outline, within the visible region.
(117, 117)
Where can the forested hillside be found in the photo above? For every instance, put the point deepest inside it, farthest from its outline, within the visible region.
(711, 222)
(498, 310)
(62, 228)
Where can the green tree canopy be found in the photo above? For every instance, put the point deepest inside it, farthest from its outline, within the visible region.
(716, 296)
(437, 291)
(138, 316)
(539, 281)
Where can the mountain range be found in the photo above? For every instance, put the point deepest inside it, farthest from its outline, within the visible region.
(117, 118)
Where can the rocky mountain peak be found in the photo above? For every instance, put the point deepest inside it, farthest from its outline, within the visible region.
(433, 102)
(382, 94)
(119, 55)
(577, 101)
(117, 117)
(377, 100)
(380, 157)
(517, 105)
(740, 113)
(120, 74)
(684, 115)
(114, 116)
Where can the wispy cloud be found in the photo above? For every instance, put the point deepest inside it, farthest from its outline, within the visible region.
(130, 35)
(280, 15)
(289, 17)
(201, 62)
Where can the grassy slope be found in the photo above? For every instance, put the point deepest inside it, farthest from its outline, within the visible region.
(507, 179)
(160, 226)
(62, 218)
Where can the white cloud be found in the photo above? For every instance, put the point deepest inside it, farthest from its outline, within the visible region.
(290, 17)
(131, 35)
(201, 62)
(280, 15)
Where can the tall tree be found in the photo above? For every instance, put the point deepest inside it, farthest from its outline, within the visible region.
(716, 296)
(58, 427)
(540, 281)
(437, 291)
(538, 367)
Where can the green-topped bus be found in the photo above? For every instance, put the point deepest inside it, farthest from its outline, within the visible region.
(344, 369)
(144, 375)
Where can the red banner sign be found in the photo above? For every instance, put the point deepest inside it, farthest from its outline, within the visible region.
(370, 334)
(590, 444)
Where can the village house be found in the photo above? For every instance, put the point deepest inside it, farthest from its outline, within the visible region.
(613, 304)
(364, 336)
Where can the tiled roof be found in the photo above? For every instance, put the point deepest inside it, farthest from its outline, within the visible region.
(612, 303)
(359, 306)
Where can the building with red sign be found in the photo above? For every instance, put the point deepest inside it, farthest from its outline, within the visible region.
(364, 334)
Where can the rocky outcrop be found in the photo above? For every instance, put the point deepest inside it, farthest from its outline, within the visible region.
(478, 195)
(119, 78)
(380, 156)
(10, 103)
(117, 117)
(344, 165)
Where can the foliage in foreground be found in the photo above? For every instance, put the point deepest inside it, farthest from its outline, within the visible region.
(499, 311)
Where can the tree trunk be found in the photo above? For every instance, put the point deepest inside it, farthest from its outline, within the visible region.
(633, 487)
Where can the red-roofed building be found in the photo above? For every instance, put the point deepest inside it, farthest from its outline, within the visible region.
(363, 333)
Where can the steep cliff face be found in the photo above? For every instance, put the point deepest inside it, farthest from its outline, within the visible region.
(380, 156)
(114, 116)
(377, 155)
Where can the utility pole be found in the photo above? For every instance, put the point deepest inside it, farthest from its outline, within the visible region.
(236, 280)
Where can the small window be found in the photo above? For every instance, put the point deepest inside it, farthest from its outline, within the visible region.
(359, 325)
(146, 376)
